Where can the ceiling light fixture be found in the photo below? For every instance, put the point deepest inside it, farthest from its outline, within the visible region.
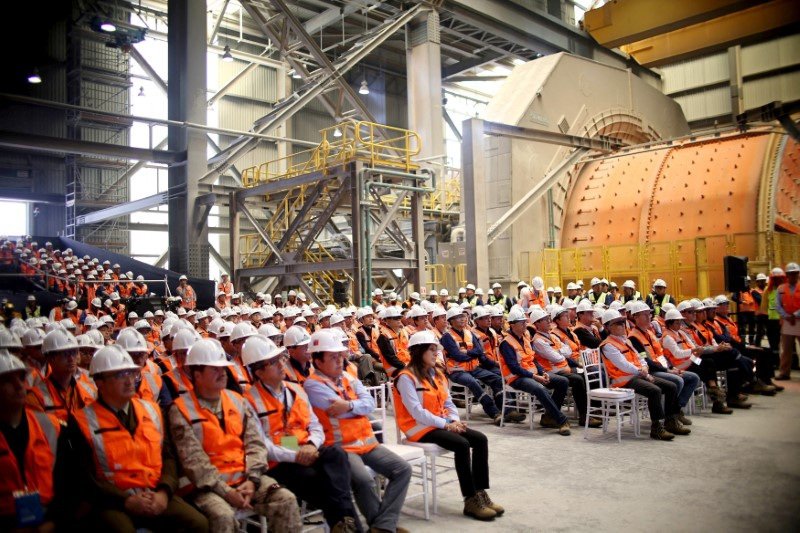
(35, 77)
(296, 75)
(141, 91)
(337, 132)
(364, 89)
(108, 26)
(226, 55)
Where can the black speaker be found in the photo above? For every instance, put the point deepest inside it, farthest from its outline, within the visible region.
(735, 273)
(340, 291)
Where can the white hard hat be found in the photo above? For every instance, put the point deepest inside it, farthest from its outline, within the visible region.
(479, 291)
(214, 325)
(556, 311)
(158, 312)
(393, 312)
(422, 337)
(9, 339)
(538, 283)
(207, 352)
(378, 292)
(496, 286)
(639, 306)
(96, 302)
(132, 341)
(572, 286)
(761, 277)
(185, 338)
(363, 311)
(112, 358)
(10, 363)
(609, 315)
(183, 278)
(142, 324)
(721, 300)
(521, 284)
(392, 295)
(470, 287)
(414, 295)
(709, 303)
(465, 305)
(444, 292)
(660, 283)
(139, 278)
(697, 303)
(72, 305)
(777, 272)
(114, 297)
(32, 337)
(454, 312)
(259, 348)
(58, 340)
(242, 331)
(433, 293)
(133, 314)
(268, 330)
(595, 281)
(667, 306)
(325, 340)
(97, 338)
(550, 289)
(792, 268)
(292, 293)
(480, 311)
(226, 329)
(673, 314)
(557, 290)
(296, 336)
(629, 284)
(685, 305)
(516, 315)
(617, 305)
(568, 304)
(613, 285)
(537, 314)
(417, 311)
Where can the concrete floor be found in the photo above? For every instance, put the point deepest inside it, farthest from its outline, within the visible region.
(733, 473)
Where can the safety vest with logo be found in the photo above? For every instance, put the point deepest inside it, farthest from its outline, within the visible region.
(353, 434)
(570, 340)
(180, 381)
(683, 344)
(525, 357)
(396, 343)
(790, 300)
(52, 401)
(489, 342)
(271, 412)
(224, 446)
(650, 343)
(464, 342)
(39, 459)
(128, 461)
(617, 377)
(554, 343)
(431, 396)
(726, 322)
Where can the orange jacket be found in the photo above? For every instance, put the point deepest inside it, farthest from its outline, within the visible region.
(44, 396)
(128, 461)
(271, 412)
(40, 457)
(616, 377)
(467, 343)
(432, 398)
(683, 343)
(525, 356)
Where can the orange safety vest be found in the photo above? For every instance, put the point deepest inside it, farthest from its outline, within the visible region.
(573, 345)
(180, 381)
(271, 411)
(468, 344)
(790, 301)
(352, 342)
(120, 317)
(431, 396)
(617, 377)
(757, 306)
(48, 396)
(398, 341)
(226, 289)
(555, 344)
(683, 343)
(353, 434)
(293, 375)
(593, 329)
(649, 341)
(224, 447)
(733, 329)
(489, 343)
(240, 374)
(525, 357)
(746, 302)
(150, 387)
(137, 290)
(700, 334)
(168, 361)
(131, 462)
(40, 457)
(188, 298)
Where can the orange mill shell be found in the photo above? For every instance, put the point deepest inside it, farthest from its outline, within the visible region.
(685, 188)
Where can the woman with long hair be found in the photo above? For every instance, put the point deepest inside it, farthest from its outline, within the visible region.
(426, 413)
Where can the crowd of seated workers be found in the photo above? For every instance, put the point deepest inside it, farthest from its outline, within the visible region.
(187, 418)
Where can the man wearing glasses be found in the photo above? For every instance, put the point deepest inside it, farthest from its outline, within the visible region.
(298, 460)
(115, 456)
(60, 394)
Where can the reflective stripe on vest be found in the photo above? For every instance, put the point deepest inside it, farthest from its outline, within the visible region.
(733, 329)
(457, 366)
(790, 301)
(555, 344)
(431, 398)
(145, 471)
(524, 357)
(353, 434)
(566, 339)
(617, 377)
(683, 343)
(153, 385)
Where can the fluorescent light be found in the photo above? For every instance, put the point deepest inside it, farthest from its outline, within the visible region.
(364, 89)
(34, 77)
(296, 75)
(108, 26)
(141, 91)
(226, 55)
(337, 132)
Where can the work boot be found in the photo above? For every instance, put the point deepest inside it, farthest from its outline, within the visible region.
(546, 421)
(738, 403)
(778, 388)
(742, 397)
(762, 388)
(460, 403)
(346, 525)
(682, 419)
(674, 426)
(475, 508)
(783, 377)
(658, 432)
(487, 501)
(593, 422)
(563, 429)
(498, 419)
(719, 408)
(515, 416)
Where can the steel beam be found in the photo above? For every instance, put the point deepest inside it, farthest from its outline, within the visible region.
(322, 266)
(27, 141)
(272, 187)
(219, 259)
(26, 195)
(716, 34)
(617, 23)
(603, 144)
(123, 209)
(266, 238)
(217, 24)
(149, 70)
(474, 201)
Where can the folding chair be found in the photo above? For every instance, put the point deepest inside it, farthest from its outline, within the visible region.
(461, 392)
(520, 401)
(249, 518)
(614, 403)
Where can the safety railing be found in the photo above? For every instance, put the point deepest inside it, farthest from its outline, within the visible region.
(342, 143)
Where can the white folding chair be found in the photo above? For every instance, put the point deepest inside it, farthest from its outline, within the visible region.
(520, 401)
(414, 456)
(249, 518)
(461, 392)
(699, 402)
(313, 519)
(614, 404)
(431, 452)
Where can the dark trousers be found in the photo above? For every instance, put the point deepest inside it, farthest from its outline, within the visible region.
(578, 387)
(747, 325)
(325, 484)
(474, 379)
(472, 475)
(653, 392)
(774, 338)
(726, 360)
(178, 517)
(761, 329)
(552, 404)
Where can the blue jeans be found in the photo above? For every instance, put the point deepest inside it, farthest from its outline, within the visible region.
(381, 513)
(552, 404)
(472, 379)
(686, 383)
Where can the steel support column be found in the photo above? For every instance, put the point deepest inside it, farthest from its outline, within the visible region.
(188, 239)
(474, 202)
(424, 71)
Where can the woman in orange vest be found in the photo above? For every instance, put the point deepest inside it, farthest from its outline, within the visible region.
(426, 413)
